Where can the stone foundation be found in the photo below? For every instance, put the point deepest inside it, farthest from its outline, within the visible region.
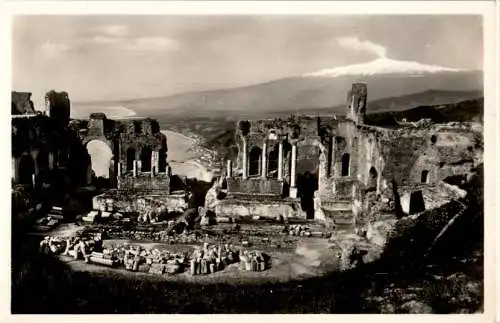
(238, 208)
(116, 201)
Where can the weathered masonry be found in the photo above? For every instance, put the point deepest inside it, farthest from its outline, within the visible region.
(322, 168)
(132, 154)
(128, 156)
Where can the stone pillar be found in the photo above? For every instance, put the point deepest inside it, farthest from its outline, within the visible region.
(280, 161)
(264, 160)
(33, 179)
(15, 169)
(51, 160)
(293, 188)
(245, 159)
(229, 171)
(134, 170)
(155, 162)
(119, 169)
(322, 171)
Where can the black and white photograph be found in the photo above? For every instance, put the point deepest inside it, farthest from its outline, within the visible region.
(247, 163)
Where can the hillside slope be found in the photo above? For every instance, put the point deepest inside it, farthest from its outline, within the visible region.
(299, 94)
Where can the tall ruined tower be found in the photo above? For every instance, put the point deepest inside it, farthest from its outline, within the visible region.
(58, 106)
(356, 103)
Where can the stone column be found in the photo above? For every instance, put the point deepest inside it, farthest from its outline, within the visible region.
(245, 158)
(51, 160)
(229, 171)
(15, 169)
(33, 179)
(134, 170)
(280, 161)
(293, 188)
(264, 160)
(119, 169)
(322, 171)
(154, 163)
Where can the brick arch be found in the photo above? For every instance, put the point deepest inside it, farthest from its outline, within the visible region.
(273, 160)
(254, 161)
(145, 156)
(345, 164)
(130, 158)
(372, 178)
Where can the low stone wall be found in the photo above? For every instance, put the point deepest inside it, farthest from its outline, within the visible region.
(254, 186)
(288, 208)
(144, 182)
(120, 202)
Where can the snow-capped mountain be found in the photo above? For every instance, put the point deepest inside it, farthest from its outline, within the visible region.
(323, 90)
(382, 66)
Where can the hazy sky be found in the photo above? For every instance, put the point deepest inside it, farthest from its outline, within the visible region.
(119, 57)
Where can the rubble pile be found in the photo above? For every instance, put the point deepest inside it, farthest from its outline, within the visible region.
(153, 261)
(208, 260)
(46, 223)
(301, 230)
(254, 260)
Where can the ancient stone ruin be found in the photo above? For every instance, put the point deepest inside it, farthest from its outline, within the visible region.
(329, 169)
(53, 156)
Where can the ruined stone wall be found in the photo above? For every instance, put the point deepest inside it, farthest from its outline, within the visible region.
(41, 146)
(58, 106)
(116, 201)
(235, 208)
(145, 183)
(251, 186)
(408, 153)
(139, 134)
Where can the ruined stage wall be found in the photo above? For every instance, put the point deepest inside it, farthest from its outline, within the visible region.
(238, 208)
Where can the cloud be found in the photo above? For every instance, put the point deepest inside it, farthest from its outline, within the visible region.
(355, 44)
(54, 49)
(151, 44)
(113, 30)
(104, 40)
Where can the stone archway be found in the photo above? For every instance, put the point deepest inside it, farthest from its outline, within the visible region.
(309, 163)
(100, 157)
(146, 154)
(346, 160)
(372, 178)
(255, 159)
(130, 159)
(26, 170)
(273, 161)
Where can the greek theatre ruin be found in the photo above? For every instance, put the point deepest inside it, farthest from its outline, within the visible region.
(127, 158)
(326, 168)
